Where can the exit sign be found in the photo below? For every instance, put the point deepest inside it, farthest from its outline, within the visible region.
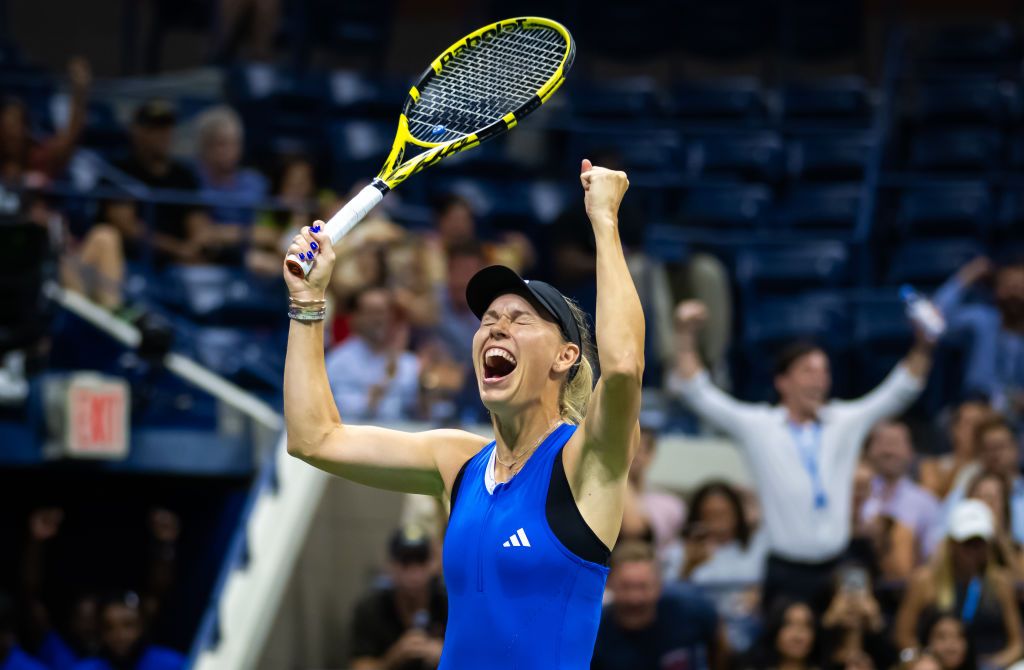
(96, 417)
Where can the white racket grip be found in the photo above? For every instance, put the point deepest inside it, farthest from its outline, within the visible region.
(340, 224)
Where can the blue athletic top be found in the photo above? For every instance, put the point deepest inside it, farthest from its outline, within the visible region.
(517, 597)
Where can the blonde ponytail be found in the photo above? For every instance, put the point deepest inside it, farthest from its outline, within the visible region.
(575, 395)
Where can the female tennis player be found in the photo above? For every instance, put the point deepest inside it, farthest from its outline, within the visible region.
(535, 511)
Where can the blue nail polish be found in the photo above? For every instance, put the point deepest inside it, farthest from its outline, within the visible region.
(312, 245)
(316, 229)
(302, 255)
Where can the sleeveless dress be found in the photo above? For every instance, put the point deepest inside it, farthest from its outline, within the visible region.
(517, 596)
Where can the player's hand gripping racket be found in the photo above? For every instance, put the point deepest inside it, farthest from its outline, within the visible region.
(480, 87)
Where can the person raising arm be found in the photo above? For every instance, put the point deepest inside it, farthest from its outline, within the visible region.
(802, 452)
(536, 511)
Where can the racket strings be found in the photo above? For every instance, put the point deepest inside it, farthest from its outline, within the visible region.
(482, 84)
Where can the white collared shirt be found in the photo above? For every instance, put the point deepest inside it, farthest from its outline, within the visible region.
(797, 529)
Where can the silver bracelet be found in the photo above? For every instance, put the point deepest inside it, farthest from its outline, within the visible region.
(306, 313)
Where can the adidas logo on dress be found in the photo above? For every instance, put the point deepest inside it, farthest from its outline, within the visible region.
(518, 539)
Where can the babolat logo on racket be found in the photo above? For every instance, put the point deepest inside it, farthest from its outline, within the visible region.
(507, 70)
(473, 40)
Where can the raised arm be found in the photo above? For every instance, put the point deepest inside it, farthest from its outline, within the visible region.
(597, 459)
(424, 462)
(610, 428)
(690, 382)
(62, 145)
(900, 389)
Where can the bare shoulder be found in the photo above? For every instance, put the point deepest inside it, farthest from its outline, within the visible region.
(451, 449)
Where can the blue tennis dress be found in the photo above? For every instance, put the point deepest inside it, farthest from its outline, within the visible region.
(517, 597)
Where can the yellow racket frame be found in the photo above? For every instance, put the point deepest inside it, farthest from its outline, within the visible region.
(395, 171)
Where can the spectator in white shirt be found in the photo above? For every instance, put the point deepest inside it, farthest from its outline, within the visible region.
(802, 453)
(372, 374)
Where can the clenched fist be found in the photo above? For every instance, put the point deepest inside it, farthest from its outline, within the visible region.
(602, 192)
(313, 243)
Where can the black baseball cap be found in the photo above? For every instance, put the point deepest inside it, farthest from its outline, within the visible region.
(156, 113)
(498, 280)
(410, 544)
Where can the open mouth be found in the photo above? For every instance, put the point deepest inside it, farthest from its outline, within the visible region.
(498, 364)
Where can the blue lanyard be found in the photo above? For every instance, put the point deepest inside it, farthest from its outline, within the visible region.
(971, 601)
(808, 446)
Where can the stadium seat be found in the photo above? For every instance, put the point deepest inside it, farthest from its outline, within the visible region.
(827, 156)
(355, 93)
(879, 320)
(358, 148)
(945, 209)
(791, 269)
(818, 316)
(726, 100)
(221, 295)
(970, 99)
(732, 206)
(627, 98)
(638, 149)
(839, 99)
(756, 156)
(833, 207)
(772, 324)
(927, 263)
(963, 149)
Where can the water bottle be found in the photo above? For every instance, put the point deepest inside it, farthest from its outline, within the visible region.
(923, 313)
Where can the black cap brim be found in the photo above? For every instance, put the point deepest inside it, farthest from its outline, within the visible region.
(498, 280)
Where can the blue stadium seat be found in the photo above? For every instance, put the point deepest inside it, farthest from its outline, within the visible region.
(1010, 220)
(358, 148)
(927, 263)
(970, 148)
(838, 99)
(817, 316)
(945, 209)
(728, 205)
(828, 155)
(971, 99)
(792, 269)
(238, 355)
(732, 100)
(880, 321)
(1015, 159)
(627, 98)
(753, 155)
(771, 324)
(357, 93)
(833, 207)
(638, 149)
(261, 81)
(221, 295)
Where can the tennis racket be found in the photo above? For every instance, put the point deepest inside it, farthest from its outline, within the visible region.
(480, 87)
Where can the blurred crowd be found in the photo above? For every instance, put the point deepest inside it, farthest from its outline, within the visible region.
(400, 330)
(51, 622)
(858, 546)
(929, 576)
